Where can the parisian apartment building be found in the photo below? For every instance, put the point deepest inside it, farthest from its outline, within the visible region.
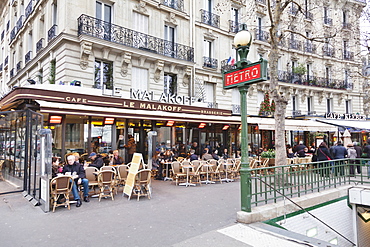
(175, 51)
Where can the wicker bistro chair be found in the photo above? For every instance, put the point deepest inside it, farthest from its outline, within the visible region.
(92, 175)
(177, 174)
(142, 183)
(235, 171)
(122, 172)
(196, 172)
(107, 182)
(216, 173)
(61, 185)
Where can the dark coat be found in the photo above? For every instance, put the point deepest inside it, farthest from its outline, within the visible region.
(130, 146)
(358, 151)
(367, 150)
(323, 153)
(76, 167)
(339, 152)
(98, 162)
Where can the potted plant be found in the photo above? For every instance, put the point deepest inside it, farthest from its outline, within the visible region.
(270, 154)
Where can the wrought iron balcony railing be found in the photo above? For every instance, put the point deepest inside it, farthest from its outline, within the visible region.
(6, 61)
(210, 18)
(13, 33)
(175, 4)
(296, 113)
(12, 73)
(294, 10)
(210, 62)
(233, 26)
(19, 23)
(27, 57)
(295, 44)
(263, 2)
(310, 48)
(91, 26)
(2, 35)
(310, 113)
(289, 77)
(52, 33)
(225, 66)
(39, 45)
(7, 26)
(348, 55)
(347, 26)
(19, 66)
(236, 109)
(29, 9)
(328, 51)
(328, 21)
(262, 35)
(212, 105)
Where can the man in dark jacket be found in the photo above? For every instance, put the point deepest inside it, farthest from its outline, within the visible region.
(339, 152)
(359, 153)
(300, 149)
(97, 160)
(78, 173)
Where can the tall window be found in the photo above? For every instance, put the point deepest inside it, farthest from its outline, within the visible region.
(345, 16)
(139, 79)
(348, 104)
(235, 15)
(208, 5)
(170, 84)
(308, 72)
(295, 104)
(329, 105)
(169, 37)
(309, 106)
(104, 13)
(327, 73)
(208, 54)
(54, 13)
(141, 23)
(346, 76)
(209, 89)
(103, 74)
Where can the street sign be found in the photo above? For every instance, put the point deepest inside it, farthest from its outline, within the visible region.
(250, 74)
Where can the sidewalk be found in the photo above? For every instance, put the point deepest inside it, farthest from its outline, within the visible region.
(175, 216)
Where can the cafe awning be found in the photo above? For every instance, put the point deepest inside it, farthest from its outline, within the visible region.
(79, 109)
(292, 124)
(355, 124)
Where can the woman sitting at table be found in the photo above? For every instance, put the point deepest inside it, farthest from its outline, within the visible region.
(116, 159)
(215, 155)
(225, 154)
(55, 167)
(206, 155)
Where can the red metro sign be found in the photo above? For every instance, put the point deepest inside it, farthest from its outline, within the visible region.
(252, 73)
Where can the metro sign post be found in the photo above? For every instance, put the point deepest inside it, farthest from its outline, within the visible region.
(245, 74)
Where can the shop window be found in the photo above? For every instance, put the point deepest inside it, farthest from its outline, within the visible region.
(170, 84)
(103, 75)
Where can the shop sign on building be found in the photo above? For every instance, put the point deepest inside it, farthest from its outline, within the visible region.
(333, 115)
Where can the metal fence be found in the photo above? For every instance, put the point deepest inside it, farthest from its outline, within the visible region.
(272, 184)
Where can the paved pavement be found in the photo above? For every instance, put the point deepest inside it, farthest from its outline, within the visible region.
(175, 216)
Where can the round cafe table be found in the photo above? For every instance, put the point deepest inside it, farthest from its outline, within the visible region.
(207, 171)
(186, 184)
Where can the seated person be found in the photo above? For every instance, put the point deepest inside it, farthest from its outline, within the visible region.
(117, 160)
(193, 156)
(206, 155)
(97, 161)
(55, 167)
(215, 155)
(76, 169)
(159, 161)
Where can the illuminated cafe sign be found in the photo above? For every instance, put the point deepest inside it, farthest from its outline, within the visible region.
(163, 98)
(332, 115)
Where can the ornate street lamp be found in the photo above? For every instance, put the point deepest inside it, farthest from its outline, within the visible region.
(242, 42)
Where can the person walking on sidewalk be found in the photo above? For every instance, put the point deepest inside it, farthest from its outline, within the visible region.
(352, 154)
(339, 152)
(367, 151)
(75, 169)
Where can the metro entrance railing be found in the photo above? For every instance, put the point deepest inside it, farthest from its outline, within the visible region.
(272, 184)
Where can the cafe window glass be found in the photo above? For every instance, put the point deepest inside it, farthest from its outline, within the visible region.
(103, 74)
(170, 83)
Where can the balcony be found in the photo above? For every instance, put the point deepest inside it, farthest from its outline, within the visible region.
(2, 35)
(233, 26)
(314, 81)
(210, 62)
(294, 10)
(328, 51)
(52, 33)
(310, 48)
(91, 26)
(29, 9)
(263, 2)
(236, 109)
(27, 57)
(347, 55)
(7, 26)
(295, 44)
(6, 61)
(225, 66)
(19, 23)
(262, 35)
(297, 113)
(310, 113)
(175, 4)
(39, 45)
(210, 18)
(212, 105)
(347, 26)
(12, 73)
(13, 33)
(19, 66)
(328, 21)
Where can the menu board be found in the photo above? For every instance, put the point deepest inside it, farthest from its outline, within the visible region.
(137, 160)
